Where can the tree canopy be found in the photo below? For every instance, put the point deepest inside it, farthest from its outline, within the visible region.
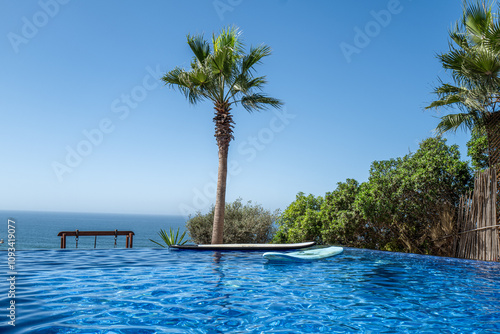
(407, 204)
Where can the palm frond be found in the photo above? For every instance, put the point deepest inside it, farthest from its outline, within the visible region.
(228, 38)
(459, 38)
(178, 79)
(219, 61)
(445, 89)
(198, 77)
(449, 100)
(222, 73)
(492, 39)
(448, 96)
(481, 64)
(453, 59)
(259, 101)
(173, 77)
(477, 19)
(453, 122)
(245, 85)
(470, 100)
(254, 57)
(199, 46)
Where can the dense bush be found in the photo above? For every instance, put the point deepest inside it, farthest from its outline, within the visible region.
(342, 221)
(416, 196)
(477, 150)
(242, 224)
(408, 204)
(301, 220)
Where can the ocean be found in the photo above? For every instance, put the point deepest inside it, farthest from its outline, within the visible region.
(38, 230)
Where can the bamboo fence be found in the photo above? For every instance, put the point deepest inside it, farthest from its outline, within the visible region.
(478, 228)
(498, 194)
(493, 134)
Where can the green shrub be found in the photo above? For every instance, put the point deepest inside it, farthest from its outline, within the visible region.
(408, 204)
(301, 221)
(242, 224)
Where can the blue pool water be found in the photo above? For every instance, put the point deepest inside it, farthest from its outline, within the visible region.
(167, 291)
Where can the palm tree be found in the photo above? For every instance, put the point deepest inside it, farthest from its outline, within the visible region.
(474, 62)
(223, 74)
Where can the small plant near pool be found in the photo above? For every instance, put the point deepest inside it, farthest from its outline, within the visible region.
(171, 238)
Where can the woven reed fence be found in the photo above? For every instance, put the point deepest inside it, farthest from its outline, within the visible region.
(498, 194)
(493, 134)
(477, 237)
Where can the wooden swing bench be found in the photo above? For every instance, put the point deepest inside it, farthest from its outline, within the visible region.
(77, 234)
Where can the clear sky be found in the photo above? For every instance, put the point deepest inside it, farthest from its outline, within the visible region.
(87, 125)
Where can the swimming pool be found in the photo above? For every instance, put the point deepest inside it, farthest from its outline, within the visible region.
(158, 291)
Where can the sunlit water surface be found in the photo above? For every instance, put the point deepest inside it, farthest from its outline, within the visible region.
(165, 291)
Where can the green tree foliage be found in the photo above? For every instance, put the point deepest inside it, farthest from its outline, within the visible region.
(243, 223)
(301, 220)
(477, 150)
(406, 205)
(342, 222)
(406, 198)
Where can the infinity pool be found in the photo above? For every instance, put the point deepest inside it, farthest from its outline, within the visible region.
(162, 291)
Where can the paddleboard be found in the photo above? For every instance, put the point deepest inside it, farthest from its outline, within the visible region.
(305, 255)
(252, 247)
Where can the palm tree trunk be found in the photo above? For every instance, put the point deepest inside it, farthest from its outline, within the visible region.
(223, 133)
(220, 200)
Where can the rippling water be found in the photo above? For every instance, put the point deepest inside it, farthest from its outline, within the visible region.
(159, 291)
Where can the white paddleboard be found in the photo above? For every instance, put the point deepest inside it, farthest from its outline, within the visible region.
(306, 255)
(250, 247)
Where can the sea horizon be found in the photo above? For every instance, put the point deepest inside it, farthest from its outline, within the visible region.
(39, 229)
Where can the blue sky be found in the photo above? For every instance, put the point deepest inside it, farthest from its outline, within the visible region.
(87, 126)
